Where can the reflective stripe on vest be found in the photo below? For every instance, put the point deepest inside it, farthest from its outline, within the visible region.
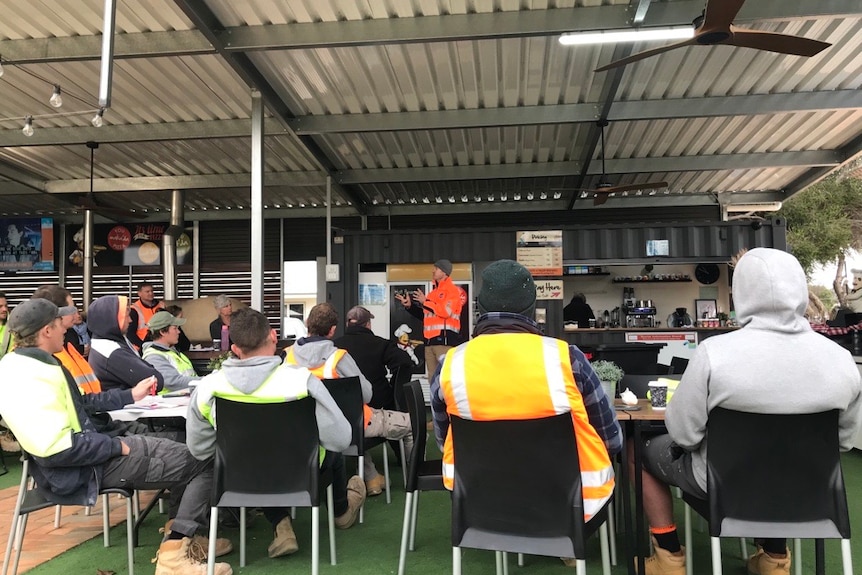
(180, 361)
(542, 386)
(81, 371)
(145, 314)
(328, 370)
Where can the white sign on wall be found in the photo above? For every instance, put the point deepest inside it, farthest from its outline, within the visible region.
(549, 289)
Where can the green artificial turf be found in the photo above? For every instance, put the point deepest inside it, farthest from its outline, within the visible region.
(372, 548)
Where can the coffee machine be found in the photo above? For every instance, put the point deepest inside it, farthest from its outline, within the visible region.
(638, 312)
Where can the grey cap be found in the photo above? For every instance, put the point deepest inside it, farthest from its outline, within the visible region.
(359, 315)
(444, 266)
(30, 316)
(163, 319)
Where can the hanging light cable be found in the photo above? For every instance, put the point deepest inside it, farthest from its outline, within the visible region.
(28, 126)
(97, 119)
(56, 100)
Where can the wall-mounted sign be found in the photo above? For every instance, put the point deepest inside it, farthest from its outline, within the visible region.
(549, 289)
(126, 245)
(541, 252)
(657, 248)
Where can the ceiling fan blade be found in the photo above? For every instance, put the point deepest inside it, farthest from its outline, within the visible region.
(646, 54)
(719, 14)
(774, 42)
(600, 198)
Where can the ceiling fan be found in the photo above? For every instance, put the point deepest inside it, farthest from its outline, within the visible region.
(89, 202)
(715, 26)
(604, 189)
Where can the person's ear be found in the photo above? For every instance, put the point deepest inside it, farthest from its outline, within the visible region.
(332, 331)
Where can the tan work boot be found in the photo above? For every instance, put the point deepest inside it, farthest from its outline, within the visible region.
(173, 558)
(663, 562)
(223, 546)
(375, 486)
(355, 499)
(761, 563)
(284, 541)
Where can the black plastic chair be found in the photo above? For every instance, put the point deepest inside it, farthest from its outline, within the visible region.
(678, 365)
(31, 498)
(347, 393)
(268, 455)
(422, 474)
(775, 476)
(518, 489)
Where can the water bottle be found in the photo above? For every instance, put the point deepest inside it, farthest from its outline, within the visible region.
(225, 338)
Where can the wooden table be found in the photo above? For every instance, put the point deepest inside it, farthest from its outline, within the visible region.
(645, 418)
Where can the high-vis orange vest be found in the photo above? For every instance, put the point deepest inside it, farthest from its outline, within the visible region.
(523, 376)
(327, 370)
(442, 309)
(75, 363)
(145, 314)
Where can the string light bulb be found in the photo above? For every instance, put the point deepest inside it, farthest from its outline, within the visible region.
(28, 126)
(56, 99)
(97, 119)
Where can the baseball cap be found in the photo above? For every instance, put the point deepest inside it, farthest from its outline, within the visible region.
(30, 316)
(163, 319)
(360, 315)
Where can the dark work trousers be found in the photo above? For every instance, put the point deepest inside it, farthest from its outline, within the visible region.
(335, 462)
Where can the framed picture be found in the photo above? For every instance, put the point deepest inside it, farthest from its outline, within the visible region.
(705, 308)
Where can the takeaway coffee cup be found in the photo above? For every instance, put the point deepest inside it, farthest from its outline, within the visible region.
(216, 344)
(658, 394)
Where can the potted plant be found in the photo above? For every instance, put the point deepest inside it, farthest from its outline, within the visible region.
(215, 362)
(722, 318)
(610, 375)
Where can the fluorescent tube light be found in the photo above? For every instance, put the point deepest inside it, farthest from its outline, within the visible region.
(754, 207)
(630, 35)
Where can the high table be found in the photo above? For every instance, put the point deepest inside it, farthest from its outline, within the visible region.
(636, 422)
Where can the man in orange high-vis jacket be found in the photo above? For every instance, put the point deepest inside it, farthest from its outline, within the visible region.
(440, 312)
(512, 371)
(141, 313)
(319, 355)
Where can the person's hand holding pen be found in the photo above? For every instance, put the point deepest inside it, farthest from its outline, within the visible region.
(145, 387)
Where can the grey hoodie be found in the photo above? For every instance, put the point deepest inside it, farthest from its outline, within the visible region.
(775, 364)
(312, 352)
(247, 375)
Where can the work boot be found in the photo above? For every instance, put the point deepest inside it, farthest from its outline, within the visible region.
(173, 558)
(223, 546)
(284, 539)
(355, 499)
(761, 563)
(8, 443)
(375, 485)
(663, 562)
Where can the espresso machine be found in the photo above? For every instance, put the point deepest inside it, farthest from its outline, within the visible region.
(638, 312)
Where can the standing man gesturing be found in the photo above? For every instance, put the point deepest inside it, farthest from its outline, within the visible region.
(440, 312)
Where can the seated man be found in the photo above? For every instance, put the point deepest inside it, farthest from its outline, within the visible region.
(176, 369)
(775, 364)
(72, 461)
(512, 371)
(114, 360)
(319, 354)
(257, 372)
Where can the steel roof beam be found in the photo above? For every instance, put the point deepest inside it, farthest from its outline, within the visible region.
(848, 153)
(624, 166)
(204, 181)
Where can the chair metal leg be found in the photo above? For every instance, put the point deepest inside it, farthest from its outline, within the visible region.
(161, 505)
(405, 532)
(715, 546)
(743, 549)
(361, 465)
(136, 503)
(315, 540)
(20, 543)
(130, 536)
(612, 532)
(505, 563)
(212, 543)
(293, 513)
(16, 516)
(498, 560)
(581, 567)
(689, 567)
(386, 472)
(413, 525)
(456, 561)
(242, 532)
(58, 513)
(520, 559)
(797, 556)
(106, 520)
(603, 542)
(330, 510)
(846, 557)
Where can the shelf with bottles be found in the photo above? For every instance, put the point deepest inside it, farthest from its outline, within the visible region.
(654, 279)
(579, 270)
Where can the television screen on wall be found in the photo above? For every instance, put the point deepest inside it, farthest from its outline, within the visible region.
(26, 244)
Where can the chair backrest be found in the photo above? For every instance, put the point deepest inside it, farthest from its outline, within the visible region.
(416, 408)
(347, 393)
(775, 475)
(266, 450)
(518, 486)
(678, 365)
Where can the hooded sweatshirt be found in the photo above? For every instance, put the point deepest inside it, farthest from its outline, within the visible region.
(775, 364)
(313, 352)
(247, 375)
(113, 359)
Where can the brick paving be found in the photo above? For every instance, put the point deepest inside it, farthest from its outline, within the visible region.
(43, 541)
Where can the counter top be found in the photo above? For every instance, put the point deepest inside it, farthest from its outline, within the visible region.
(573, 329)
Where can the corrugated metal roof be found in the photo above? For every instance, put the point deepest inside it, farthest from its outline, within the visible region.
(408, 101)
